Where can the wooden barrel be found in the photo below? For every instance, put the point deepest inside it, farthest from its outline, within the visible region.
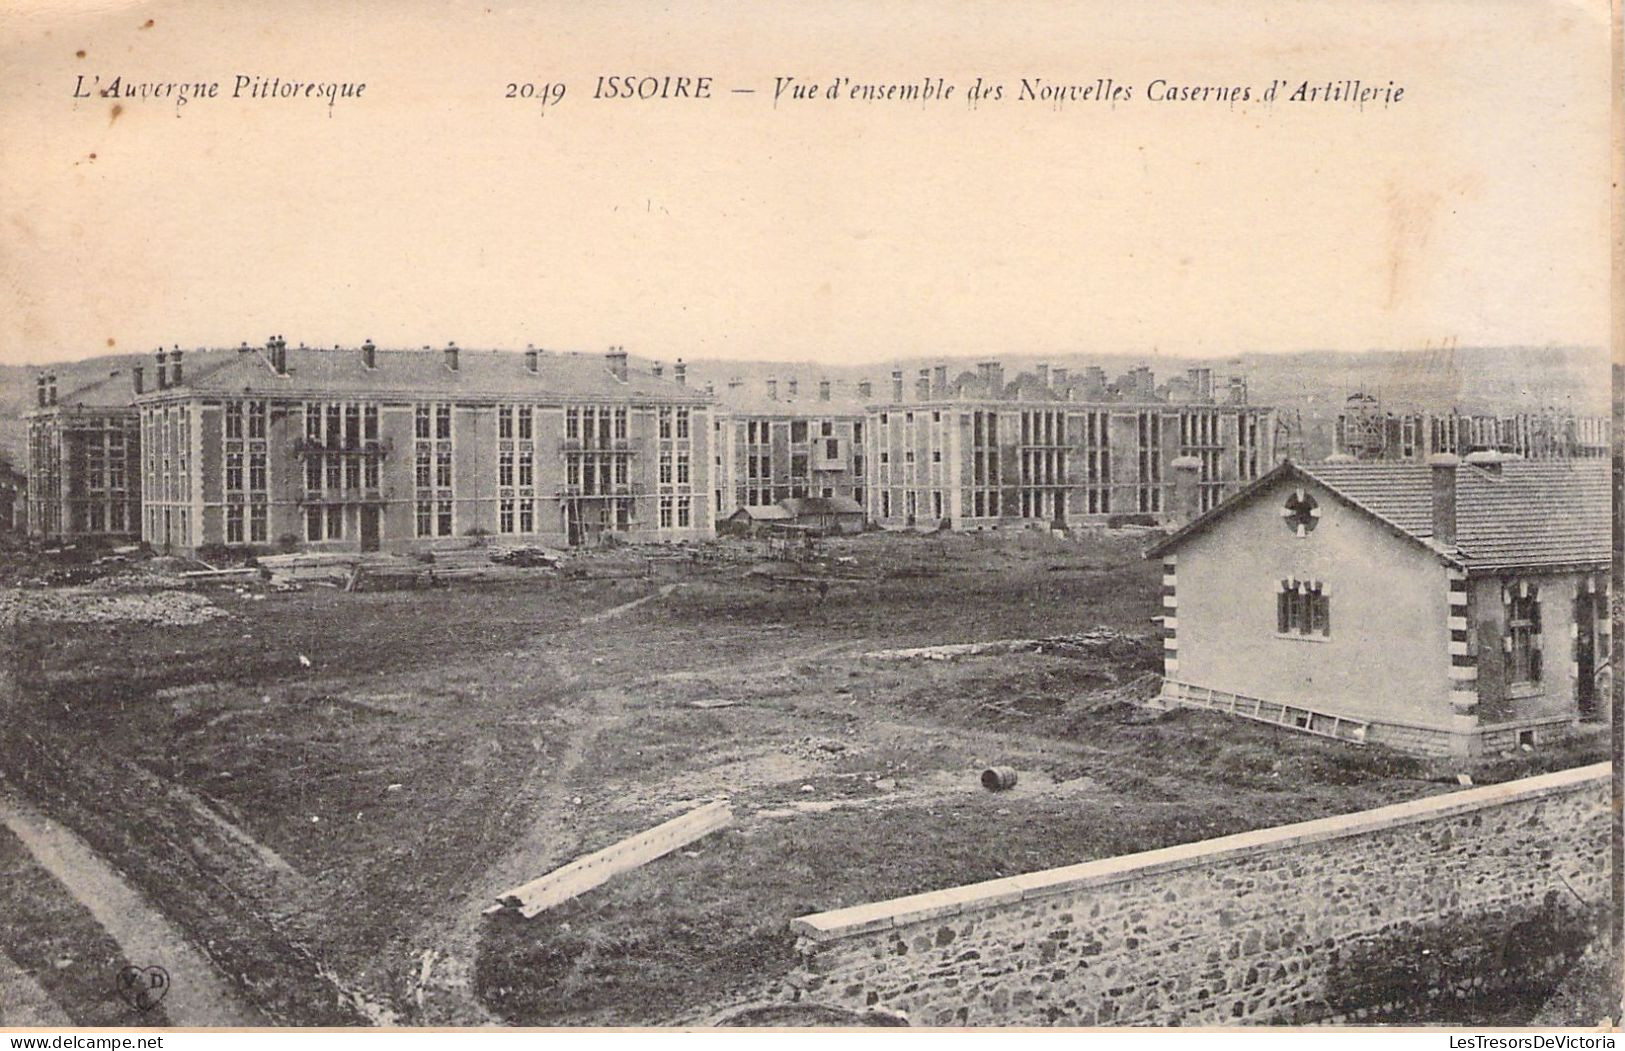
(999, 778)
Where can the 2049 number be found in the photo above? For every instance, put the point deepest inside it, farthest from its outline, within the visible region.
(549, 94)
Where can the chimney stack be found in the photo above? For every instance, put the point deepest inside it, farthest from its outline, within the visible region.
(276, 348)
(657, 369)
(39, 389)
(451, 356)
(896, 384)
(735, 382)
(1201, 384)
(50, 389)
(679, 372)
(772, 388)
(175, 367)
(866, 389)
(137, 382)
(939, 381)
(161, 373)
(993, 378)
(1443, 468)
(617, 362)
(793, 385)
(1187, 488)
(710, 388)
(1057, 377)
(1043, 374)
(922, 386)
(530, 359)
(1238, 390)
(823, 390)
(369, 354)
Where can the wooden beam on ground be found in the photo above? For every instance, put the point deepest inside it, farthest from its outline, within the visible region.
(585, 873)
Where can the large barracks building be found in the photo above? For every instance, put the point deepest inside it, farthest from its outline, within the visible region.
(370, 449)
(365, 448)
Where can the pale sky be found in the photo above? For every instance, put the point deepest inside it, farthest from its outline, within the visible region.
(433, 209)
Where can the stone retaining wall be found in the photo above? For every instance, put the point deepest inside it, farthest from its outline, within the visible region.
(1271, 925)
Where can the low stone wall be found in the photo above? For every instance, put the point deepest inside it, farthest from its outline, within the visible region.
(1282, 924)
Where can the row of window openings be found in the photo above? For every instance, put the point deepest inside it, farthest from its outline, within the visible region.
(346, 425)
(337, 472)
(757, 432)
(103, 517)
(598, 423)
(246, 418)
(1306, 610)
(432, 421)
(1198, 429)
(250, 524)
(985, 503)
(256, 475)
(908, 417)
(433, 470)
(174, 480)
(910, 503)
(519, 515)
(435, 518)
(908, 456)
(763, 495)
(104, 473)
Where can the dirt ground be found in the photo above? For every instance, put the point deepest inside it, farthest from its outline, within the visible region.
(324, 789)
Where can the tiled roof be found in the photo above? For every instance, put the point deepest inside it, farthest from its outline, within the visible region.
(821, 505)
(764, 513)
(1527, 514)
(1399, 493)
(112, 391)
(479, 373)
(1536, 513)
(751, 399)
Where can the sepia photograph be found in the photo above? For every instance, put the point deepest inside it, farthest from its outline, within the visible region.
(717, 515)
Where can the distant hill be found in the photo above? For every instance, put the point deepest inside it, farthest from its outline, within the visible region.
(1313, 383)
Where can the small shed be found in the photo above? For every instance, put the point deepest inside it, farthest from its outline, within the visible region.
(752, 521)
(830, 515)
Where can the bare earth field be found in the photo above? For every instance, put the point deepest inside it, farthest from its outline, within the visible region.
(324, 789)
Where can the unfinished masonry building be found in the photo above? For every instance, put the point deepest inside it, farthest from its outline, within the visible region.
(364, 448)
(977, 451)
(370, 449)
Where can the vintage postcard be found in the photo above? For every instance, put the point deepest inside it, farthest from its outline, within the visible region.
(717, 514)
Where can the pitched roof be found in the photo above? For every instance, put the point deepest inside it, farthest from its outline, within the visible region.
(763, 513)
(479, 373)
(750, 398)
(1527, 514)
(112, 391)
(821, 505)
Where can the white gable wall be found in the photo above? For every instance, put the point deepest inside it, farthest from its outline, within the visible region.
(1387, 657)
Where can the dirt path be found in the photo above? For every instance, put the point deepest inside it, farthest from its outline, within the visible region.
(627, 607)
(445, 985)
(199, 995)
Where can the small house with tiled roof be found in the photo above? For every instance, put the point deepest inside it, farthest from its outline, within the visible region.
(1455, 607)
